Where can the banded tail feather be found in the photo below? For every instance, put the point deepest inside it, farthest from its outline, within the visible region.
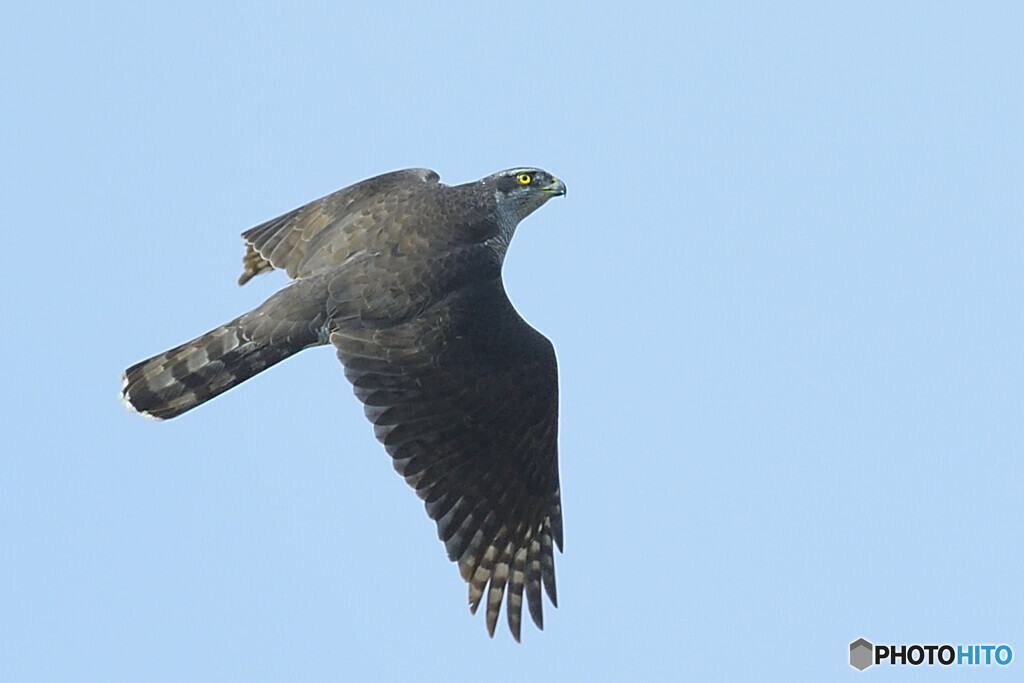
(187, 376)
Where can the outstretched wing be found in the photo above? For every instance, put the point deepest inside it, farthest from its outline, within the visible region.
(465, 399)
(339, 221)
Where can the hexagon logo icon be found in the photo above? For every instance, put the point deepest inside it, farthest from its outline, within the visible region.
(861, 654)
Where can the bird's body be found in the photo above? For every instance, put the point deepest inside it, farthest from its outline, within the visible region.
(402, 274)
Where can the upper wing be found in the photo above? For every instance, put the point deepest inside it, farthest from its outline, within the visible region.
(465, 399)
(286, 241)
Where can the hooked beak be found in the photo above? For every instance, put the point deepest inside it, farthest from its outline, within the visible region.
(556, 187)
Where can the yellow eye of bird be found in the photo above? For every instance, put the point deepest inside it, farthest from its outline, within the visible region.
(524, 178)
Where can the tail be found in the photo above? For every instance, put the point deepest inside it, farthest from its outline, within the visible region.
(178, 380)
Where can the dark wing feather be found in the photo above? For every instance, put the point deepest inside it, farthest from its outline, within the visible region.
(289, 240)
(465, 399)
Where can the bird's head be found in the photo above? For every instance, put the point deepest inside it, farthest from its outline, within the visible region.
(521, 191)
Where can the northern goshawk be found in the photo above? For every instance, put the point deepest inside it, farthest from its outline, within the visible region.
(402, 274)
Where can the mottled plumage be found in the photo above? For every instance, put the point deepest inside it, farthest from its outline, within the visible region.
(402, 274)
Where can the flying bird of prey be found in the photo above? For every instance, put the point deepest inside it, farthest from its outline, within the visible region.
(402, 274)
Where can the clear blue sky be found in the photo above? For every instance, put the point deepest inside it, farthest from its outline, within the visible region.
(785, 289)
